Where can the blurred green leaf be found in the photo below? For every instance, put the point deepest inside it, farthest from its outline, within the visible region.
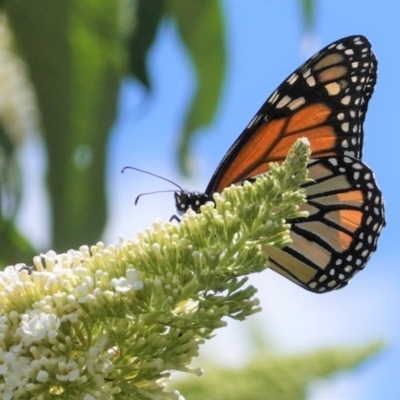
(274, 376)
(18, 114)
(147, 20)
(10, 185)
(308, 8)
(201, 27)
(15, 247)
(7, 146)
(74, 52)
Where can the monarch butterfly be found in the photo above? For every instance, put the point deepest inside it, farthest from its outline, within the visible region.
(325, 100)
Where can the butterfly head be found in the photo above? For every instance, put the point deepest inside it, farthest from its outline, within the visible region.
(194, 200)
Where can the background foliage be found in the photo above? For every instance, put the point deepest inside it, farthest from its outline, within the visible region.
(76, 54)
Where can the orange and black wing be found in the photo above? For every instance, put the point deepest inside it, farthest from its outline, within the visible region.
(324, 100)
(346, 215)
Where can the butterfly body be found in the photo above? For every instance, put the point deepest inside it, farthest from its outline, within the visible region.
(185, 199)
(324, 100)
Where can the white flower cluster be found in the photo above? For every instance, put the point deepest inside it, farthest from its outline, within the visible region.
(39, 313)
(112, 323)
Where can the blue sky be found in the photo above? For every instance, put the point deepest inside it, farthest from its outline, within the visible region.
(265, 44)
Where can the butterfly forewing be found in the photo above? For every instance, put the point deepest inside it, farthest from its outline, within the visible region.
(324, 100)
(346, 215)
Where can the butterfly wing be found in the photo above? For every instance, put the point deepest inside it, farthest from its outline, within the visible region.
(346, 215)
(324, 100)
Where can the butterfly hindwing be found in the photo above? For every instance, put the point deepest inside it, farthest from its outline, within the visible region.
(346, 215)
(325, 100)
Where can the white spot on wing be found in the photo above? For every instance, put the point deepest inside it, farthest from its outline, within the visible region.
(255, 119)
(283, 102)
(346, 100)
(296, 103)
(310, 81)
(333, 88)
(333, 161)
(292, 79)
(273, 97)
(345, 127)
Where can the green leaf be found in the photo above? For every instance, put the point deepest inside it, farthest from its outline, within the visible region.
(74, 53)
(10, 182)
(201, 27)
(18, 114)
(269, 376)
(14, 246)
(7, 146)
(10, 185)
(308, 8)
(147, 20)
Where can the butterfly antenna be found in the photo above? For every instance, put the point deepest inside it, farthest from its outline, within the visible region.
(145, 194)
(155, 175)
